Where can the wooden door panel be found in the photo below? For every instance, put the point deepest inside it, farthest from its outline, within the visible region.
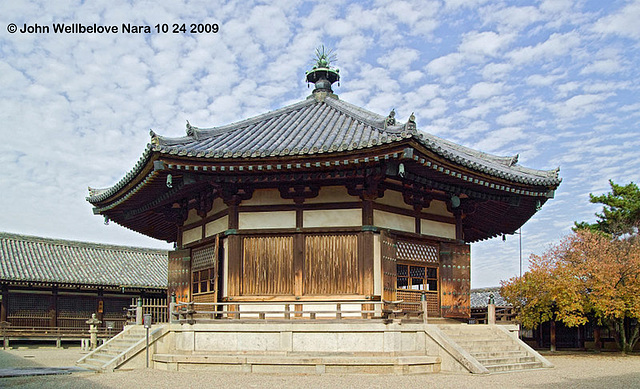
(180, 275)
(455, 270)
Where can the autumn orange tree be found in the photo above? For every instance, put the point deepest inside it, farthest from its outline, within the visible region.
(595, 272)
(586, 274)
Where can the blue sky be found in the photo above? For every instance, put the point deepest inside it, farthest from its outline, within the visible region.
(553, 81)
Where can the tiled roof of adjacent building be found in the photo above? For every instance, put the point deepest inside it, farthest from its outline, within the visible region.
(480, 297)
(43, 260)
(321, 124)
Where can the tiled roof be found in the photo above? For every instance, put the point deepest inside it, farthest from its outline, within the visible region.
(319, 126)
(480, 298)
(29, 258)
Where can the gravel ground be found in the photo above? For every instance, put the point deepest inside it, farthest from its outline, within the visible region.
(573, 370)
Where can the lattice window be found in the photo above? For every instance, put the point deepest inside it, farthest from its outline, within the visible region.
(114, 307)
(204, 281)
(203, 258)
(417, 277)
(29, 305)
(409, 251)
(76, 306)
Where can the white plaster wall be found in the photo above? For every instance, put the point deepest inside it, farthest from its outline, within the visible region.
(218, 205)
(434, 228)
(267, 197)
(332, 218)
(393, 221)
(332, 194)
(192, 217)
(216, 226)
(394, 199)
(438, 207)
(191, 235)
(262, 220)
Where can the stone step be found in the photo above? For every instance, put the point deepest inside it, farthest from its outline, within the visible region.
(89, 366)
(102, 357)
(309, 364)
(498, 354)
(96, 363)
(505, 360)
(498, 344)
(514, 366)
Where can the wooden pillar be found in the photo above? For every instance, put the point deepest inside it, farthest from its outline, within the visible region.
(53, 310)
(234, 256)
(367, 211)
(298, 251)
(459, 231)
(596, 338)
(298, 264)
(552, 335)
(4, 301)
(100, 304)
(365, 251)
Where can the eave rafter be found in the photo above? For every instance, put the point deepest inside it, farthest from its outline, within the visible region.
(195, 182)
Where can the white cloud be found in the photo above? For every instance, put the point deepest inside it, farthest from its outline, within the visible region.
(399, 58)
(557, 45)
(543, 80)
(496, 71)
(512, 18)
(605, 66)
(483, 90)
(486, 43)
(578, 106)
(623, 23)
(513, 118)
(446, 65)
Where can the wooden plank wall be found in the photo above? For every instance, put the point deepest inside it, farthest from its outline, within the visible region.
(267, 265)
(331, 265)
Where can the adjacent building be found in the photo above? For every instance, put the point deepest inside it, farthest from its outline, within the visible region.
(60, 283)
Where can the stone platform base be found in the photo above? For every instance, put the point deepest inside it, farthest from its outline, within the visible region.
(300, 364)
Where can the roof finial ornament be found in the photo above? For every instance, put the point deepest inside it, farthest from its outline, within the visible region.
(411, 123)
(322, 74)
(154, 137)
(190, 129)
(391, 119)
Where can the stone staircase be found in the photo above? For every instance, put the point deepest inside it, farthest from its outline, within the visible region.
(119, 349)
(494, 348)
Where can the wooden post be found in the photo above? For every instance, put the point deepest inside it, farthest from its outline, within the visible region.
(139, 312)
(552, 334)
(423, 304)
(596, 338)
(4, 300)
(53, 311)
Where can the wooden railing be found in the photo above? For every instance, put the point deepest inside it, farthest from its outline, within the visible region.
(157, 308)
(191, 312)
(58, 334)
(503, 315)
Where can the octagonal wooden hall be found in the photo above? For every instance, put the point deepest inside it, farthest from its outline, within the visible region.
(322, 200)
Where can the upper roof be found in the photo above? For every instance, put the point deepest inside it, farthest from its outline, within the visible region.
(320, 125)
(43, 260)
